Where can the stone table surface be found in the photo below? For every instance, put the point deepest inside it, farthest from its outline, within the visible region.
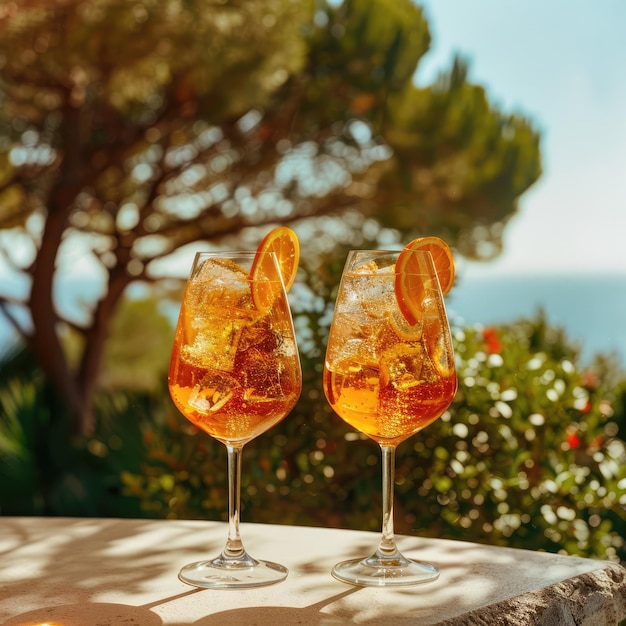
(101, 572)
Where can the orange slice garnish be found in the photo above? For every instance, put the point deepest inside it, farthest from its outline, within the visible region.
(284, 243)
(409, 286)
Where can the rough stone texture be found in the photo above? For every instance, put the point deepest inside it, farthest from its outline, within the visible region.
(594, 599)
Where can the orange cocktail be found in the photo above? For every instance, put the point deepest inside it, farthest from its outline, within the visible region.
(389, 372)
(384, 377)
(235, 373)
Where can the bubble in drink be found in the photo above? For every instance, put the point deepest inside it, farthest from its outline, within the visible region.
(260, 376)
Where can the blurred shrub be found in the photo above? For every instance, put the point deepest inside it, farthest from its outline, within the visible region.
(531, 454)
(43, 471)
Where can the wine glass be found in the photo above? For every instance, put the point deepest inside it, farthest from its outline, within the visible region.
(389, 378)
(234, 373)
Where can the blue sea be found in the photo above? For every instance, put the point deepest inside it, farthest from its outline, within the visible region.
(591, 309)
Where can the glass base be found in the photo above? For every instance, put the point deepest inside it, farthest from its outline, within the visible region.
(385, 572)
(217, 574)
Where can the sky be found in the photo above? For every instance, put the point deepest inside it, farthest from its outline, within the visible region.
(562, 64)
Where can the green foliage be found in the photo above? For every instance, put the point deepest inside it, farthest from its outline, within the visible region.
(141, 336)
(43, 470)
(461, 157)
(529, 455)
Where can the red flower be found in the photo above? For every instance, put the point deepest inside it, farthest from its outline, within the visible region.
(492, 342)
(573, 440)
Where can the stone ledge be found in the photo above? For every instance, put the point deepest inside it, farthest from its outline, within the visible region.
(78, 571)
(597, 598)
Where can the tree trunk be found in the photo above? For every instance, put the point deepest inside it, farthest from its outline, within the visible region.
(45, 342)
(95, 342)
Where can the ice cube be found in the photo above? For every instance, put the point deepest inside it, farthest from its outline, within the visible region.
(213, 392)
(219, 282)
(370, 267)
(404, 366)
(355, 386)
(215, 343)
(259, 334)
(260, 375)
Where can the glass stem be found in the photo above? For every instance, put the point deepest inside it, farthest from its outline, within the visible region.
(234, 549)
(387, 547)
